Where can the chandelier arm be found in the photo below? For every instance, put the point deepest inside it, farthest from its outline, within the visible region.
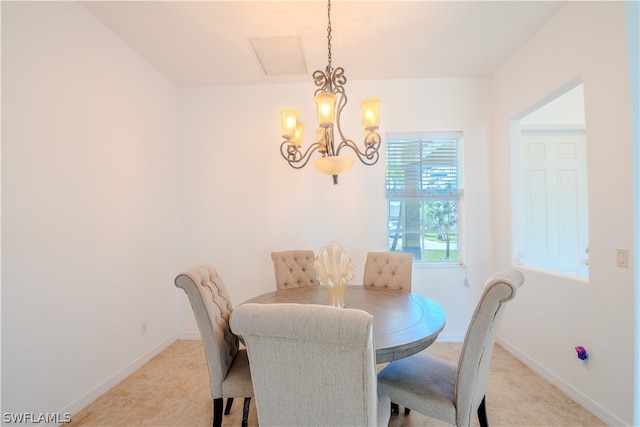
(294, 156)
(372, 140)
(321, 80)
(329, 146)
(338, 81)
(371, 153)
(342, 101)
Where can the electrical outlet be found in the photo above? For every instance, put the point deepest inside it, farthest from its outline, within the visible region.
(143, 328)
(622, 258)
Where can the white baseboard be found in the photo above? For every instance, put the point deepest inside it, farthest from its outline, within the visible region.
(188, 335)
(594, 407)
(87, 398)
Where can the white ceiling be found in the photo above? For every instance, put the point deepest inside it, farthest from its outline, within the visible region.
(201, 43)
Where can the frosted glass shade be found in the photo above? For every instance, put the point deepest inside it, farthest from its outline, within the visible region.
(334, 165)
(297, 138)
(370, 118)
(326, 105)
(289, 123)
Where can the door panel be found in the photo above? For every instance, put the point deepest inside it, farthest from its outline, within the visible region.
(555, 200)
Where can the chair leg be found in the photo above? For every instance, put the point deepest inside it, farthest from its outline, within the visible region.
(245, 411)
(395, 409)
(217, 412)
(227, 408)
(482, 414)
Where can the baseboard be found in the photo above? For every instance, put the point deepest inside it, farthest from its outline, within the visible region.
(87, 398)
(589, 404)
(188, 335)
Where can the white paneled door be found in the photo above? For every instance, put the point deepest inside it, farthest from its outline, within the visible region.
(555, 200)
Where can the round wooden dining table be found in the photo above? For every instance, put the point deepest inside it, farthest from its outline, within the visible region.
(403, 323)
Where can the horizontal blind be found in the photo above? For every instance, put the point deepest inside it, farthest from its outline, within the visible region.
(423, 166)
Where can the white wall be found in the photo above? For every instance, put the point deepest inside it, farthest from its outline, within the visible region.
(88, 213)
(553, 314)
(243, 201)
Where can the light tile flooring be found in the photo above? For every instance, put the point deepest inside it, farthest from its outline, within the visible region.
(173, 390)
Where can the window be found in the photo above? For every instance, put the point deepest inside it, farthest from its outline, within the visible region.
(424, 190)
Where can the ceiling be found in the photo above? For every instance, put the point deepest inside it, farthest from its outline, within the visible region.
(202, 43)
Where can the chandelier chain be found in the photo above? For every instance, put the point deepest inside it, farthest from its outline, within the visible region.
(329, 32)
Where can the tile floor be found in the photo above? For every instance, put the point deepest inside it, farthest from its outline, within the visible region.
(172, 389)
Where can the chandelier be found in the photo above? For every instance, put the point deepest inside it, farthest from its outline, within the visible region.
(330, 98)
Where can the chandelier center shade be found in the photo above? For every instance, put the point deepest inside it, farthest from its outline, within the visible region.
(330, 98)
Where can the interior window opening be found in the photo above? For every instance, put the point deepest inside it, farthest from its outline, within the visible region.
(550, 211)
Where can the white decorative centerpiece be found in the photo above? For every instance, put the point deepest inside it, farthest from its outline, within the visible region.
(335, 271)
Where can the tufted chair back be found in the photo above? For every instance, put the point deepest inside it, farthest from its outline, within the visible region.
(473, 366)
(228, 366)
(446, 391)
(312, 365)
(390, 270)
(294, 269)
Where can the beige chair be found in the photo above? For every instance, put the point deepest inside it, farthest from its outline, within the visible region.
(391, 270)
(229, 373)
(294, 269)
(312, 365)
(442, 390)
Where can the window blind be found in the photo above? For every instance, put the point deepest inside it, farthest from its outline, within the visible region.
(424, 166)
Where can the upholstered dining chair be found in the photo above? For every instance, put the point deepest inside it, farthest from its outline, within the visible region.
(228, 364)
(294, 269)
(391, 270)
(312, 365)
(449, 392)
